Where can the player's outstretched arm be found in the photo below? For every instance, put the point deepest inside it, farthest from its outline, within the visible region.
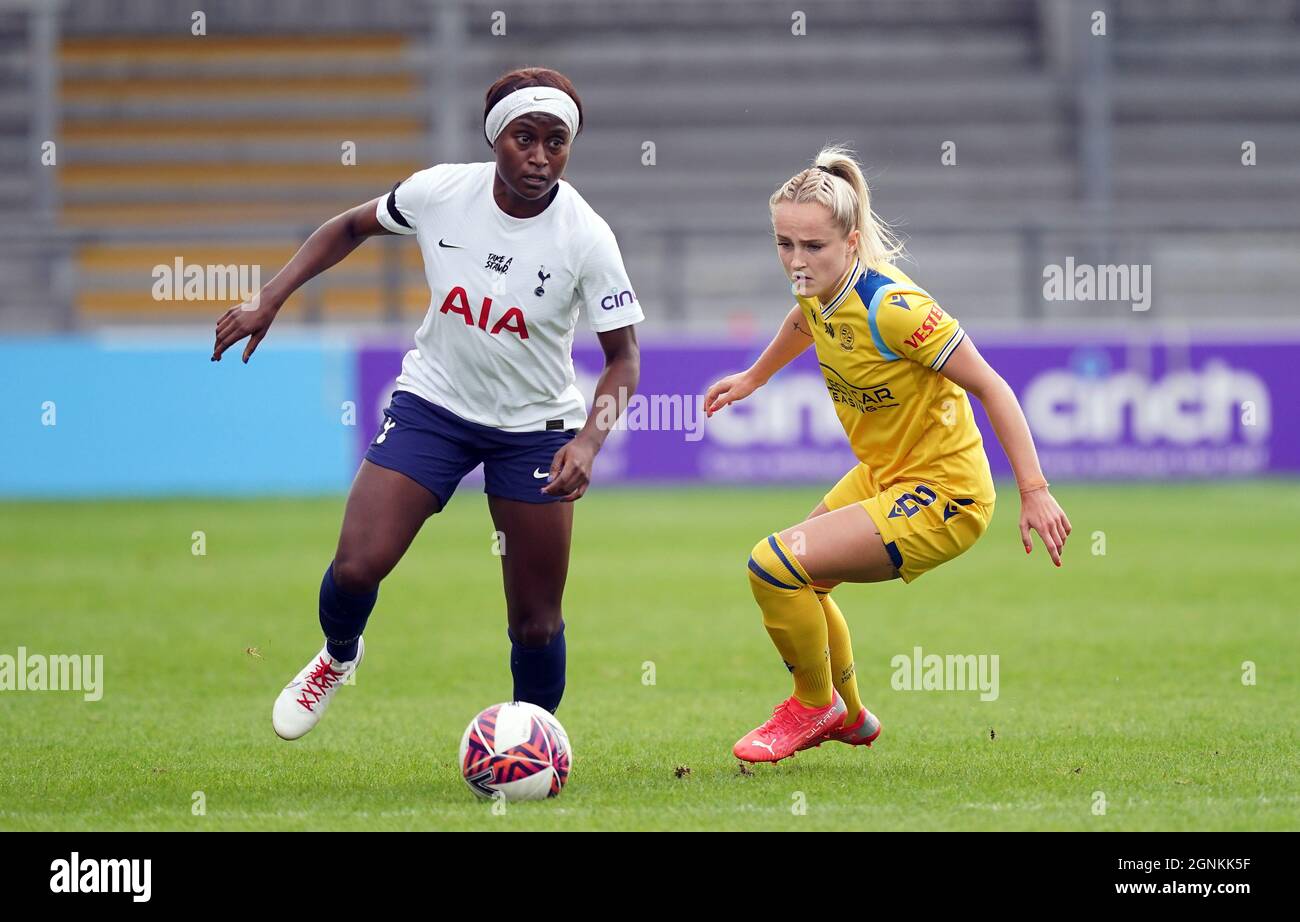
(332, 241)
(788, 344)
(1038, 509)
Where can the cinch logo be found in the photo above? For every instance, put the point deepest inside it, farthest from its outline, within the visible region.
(1182, 408)
(922, 333)
(781, 414)
(616, 299)
(512, 321)
(103, 875)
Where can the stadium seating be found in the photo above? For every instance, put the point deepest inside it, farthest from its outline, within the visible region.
(232, 141)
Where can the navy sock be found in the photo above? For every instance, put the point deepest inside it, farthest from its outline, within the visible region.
(343, 617)
(539, 672)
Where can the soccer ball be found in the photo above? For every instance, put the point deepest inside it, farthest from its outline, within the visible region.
(515, 750)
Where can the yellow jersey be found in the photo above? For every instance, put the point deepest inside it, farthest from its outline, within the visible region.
(881, 342)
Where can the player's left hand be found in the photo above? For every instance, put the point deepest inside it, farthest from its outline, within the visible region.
(571, 470)
(1039, 511)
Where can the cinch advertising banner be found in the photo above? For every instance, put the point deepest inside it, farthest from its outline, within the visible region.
(1100, 408)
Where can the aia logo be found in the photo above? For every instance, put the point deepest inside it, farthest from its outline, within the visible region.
(512, 321)
(616, 299)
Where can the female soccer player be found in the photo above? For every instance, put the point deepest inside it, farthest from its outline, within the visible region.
(511, 253)
(898, 369)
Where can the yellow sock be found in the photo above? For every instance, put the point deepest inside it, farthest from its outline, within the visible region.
(841, 648)
(793, 618)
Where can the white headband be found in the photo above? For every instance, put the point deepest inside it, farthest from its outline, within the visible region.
(531, 99)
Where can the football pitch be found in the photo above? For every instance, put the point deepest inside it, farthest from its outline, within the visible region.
(1119, 702)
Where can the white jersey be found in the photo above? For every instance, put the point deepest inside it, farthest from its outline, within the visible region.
(496, 345)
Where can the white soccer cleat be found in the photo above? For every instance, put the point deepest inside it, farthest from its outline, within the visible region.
(303, 701)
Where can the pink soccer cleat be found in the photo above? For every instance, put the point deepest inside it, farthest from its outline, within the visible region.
(790, 727)
(862, 732)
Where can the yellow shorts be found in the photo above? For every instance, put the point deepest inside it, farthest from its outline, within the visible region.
(920, 525)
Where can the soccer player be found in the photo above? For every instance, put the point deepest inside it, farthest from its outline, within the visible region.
(512, 254)
(898, 368)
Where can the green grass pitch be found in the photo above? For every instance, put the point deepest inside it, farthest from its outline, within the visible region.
(1120, 673)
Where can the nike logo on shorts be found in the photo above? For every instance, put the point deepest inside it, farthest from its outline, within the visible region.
(541, 474)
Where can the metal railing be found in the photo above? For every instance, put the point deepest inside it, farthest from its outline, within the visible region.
(659, 254)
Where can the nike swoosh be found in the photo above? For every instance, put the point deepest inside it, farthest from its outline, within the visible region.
(540, 474)
(450, 246)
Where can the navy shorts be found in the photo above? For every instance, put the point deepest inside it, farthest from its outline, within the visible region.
(436, 448)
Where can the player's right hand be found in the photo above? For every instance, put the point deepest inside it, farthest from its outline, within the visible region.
(728, 390)
(252, 319)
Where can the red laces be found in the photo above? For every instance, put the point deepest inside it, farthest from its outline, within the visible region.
(322, 679)
(781, 719)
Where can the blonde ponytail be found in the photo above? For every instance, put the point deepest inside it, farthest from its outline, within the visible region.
(836, 181)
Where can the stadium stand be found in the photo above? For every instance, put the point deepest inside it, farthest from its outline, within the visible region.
(227, 148)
